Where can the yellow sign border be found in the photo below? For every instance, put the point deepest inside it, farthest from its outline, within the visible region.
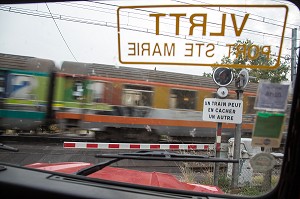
(203, 64)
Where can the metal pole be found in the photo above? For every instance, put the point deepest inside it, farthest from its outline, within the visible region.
(217, 152)
(266, 186)
(237, 146)
(293, 56)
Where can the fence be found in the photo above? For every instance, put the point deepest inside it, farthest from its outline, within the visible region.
(250, 182)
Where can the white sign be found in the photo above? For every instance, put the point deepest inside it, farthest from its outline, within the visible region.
(272, 96)
(223, 110)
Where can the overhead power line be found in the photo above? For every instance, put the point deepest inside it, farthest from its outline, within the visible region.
(182, 2)
(212, 24)
(108, 24)
(263, 17)
(61, 33)
(96, 22)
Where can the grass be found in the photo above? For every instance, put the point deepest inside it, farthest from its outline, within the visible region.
(202, 173)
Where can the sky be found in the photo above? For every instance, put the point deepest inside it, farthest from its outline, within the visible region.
(87, 32)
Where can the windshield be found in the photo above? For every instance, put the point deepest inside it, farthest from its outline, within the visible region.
(184, 95)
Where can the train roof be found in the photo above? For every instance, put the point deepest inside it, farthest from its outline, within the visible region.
(132, 73)
(45, 65)
(26, 63)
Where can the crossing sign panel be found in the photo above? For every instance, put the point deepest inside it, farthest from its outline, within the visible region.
(223, 110)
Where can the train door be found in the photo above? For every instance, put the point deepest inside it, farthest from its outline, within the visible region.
(75, 102)
(2, 91)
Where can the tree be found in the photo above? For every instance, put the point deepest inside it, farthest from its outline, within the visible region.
(278, 75)
(206, 74)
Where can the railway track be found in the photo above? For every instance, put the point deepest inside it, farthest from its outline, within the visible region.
(90, 136)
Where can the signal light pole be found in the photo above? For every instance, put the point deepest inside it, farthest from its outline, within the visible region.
(240, 83)
(222, 77)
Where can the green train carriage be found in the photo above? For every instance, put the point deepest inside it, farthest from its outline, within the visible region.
(25, 91)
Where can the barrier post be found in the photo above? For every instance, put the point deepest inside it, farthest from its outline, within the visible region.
(217, 152)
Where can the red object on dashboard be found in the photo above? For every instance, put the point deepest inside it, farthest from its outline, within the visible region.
(157, 179)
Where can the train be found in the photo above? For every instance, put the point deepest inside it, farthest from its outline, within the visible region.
(114, 103)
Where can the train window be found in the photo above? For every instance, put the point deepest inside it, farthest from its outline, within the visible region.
(135, 95)
(74, 89)
(78, 90)
(97, 91)
(183, 99)
(2, 85)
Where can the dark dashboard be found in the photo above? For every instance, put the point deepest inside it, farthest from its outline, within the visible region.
(14, 183)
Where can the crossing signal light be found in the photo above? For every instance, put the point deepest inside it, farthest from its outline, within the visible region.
(222, 76)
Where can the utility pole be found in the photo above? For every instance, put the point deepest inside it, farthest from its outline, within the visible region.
(237, 146)
(293, 56)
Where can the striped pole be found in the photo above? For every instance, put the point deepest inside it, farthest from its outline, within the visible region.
(137, 146)
(218, 139)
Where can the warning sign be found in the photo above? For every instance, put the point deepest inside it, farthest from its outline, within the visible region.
(268, 129)
(223, 110)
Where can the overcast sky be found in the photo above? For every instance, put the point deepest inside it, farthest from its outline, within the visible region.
(87, 32)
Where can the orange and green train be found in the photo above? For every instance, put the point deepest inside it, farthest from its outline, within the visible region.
(116, 103)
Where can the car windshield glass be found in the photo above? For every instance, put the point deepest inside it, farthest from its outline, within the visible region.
(184, 95)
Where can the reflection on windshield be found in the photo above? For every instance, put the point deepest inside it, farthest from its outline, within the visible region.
(191, 96)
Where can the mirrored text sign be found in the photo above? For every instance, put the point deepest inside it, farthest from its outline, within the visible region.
(201, 35)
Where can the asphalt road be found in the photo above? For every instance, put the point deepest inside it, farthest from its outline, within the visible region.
(52, 152)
